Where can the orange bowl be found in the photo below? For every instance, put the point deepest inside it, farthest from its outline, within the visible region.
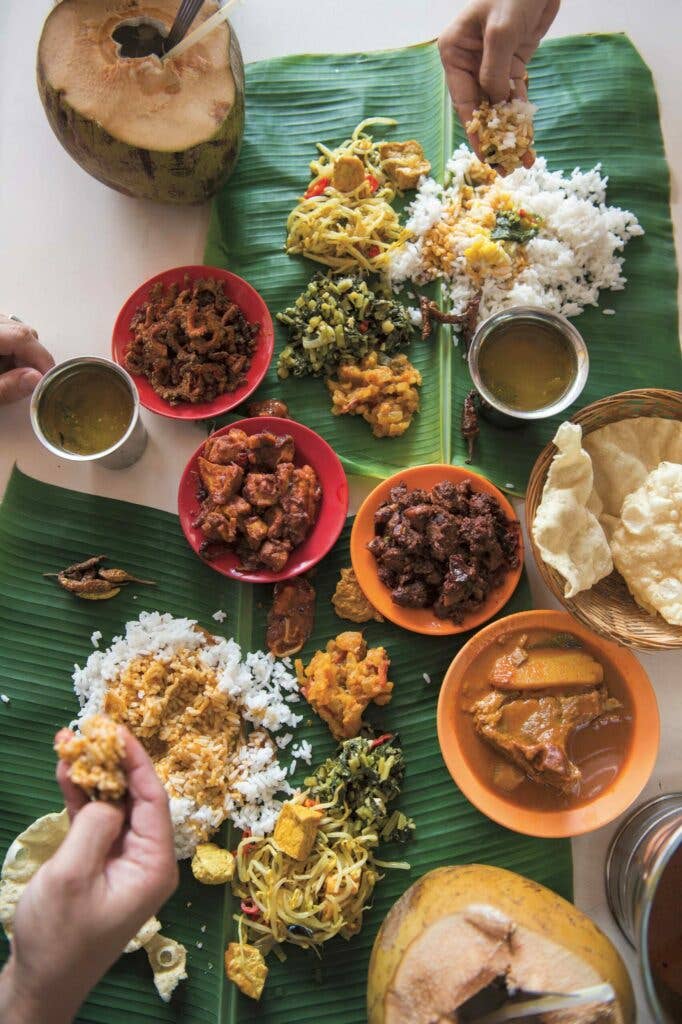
(616, 797)
(423, 620)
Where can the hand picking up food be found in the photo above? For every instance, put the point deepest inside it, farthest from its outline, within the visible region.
(80, 887)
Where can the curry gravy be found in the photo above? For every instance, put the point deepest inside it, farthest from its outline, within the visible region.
(598, 749)
(526, 365)
(86, 410)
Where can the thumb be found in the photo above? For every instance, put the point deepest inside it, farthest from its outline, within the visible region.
(93, 832)
(16, 384)
(498, 50)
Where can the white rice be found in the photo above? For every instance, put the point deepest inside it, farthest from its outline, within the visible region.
(95, 638)
(219, 616)
(572, 258)
(262, 688)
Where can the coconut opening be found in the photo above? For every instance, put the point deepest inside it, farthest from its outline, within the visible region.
(139, 37)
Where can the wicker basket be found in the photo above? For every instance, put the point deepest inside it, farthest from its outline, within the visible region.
(608, 608)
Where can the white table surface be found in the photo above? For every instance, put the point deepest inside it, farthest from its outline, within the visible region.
(71, 251)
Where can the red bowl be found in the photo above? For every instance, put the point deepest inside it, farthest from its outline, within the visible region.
(310, 449)
(252, 306)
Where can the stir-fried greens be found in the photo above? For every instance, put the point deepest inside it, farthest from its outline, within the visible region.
(365, 776)
(337, 320)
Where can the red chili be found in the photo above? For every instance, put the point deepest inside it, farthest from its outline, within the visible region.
(522, 213)
(372, 182)
(249, 908)
(317, 188)
(373, 251)
(380, 740)
(363, 326)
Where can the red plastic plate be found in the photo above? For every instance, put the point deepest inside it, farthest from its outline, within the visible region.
(312, 450)
(252, 306)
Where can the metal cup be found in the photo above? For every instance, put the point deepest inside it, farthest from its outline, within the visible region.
(127, 450)
(491, 406)
(638, 855)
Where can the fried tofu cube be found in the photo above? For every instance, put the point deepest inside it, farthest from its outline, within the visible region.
(296, 829)
(404, 163)
(348, 173)
(245, 966)
(211, 865)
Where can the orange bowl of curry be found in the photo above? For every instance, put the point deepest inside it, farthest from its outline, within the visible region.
(547, 728)
(437, 549)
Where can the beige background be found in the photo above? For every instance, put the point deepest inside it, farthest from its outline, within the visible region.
(71, 251)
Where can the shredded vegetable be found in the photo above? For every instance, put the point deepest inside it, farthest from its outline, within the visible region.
(307, 902)
(345, 219)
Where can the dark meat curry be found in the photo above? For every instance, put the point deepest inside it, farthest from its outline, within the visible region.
(254, 499)
(446, 548)
(540, 720)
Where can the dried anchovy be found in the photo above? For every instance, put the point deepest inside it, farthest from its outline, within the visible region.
(89, 581)
(467, 320)
(469, 426)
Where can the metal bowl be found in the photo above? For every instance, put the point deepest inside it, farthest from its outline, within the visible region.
(503, 414)
(127, 449)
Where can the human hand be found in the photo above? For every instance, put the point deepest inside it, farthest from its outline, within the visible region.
(489, 44)
(23, 360)
(112, 872)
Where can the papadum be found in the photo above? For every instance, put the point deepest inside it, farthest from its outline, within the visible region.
(647, 543)
(565, 529)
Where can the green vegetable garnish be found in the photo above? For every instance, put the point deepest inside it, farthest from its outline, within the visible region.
(365, 776)
(340, 319)
(515, 226)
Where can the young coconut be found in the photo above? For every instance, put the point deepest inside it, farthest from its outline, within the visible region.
(165, 130)
(459, 928)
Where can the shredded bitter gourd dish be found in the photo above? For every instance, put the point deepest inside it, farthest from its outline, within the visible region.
(306, 902)
(345, 219)
(338, 320)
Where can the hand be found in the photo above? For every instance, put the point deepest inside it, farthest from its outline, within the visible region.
(112, 872)
(23, 360)
(488, 44)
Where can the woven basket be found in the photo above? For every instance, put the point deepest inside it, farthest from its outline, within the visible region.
(607, 607)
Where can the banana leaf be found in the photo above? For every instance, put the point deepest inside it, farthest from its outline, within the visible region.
(46, 630)
(294, 102)
(597, 104)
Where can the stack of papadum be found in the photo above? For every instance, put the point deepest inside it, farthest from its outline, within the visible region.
(613, 499)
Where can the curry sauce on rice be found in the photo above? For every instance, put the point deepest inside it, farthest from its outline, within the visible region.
(535, 237)
(94, 756)
(188, 697)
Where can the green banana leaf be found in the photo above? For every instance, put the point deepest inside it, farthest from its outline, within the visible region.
(46, 630)
(294, 102)
(597, 103)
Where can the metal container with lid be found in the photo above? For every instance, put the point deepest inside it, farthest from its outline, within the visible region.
(121, 452)
(491, 405)
(647, 845)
